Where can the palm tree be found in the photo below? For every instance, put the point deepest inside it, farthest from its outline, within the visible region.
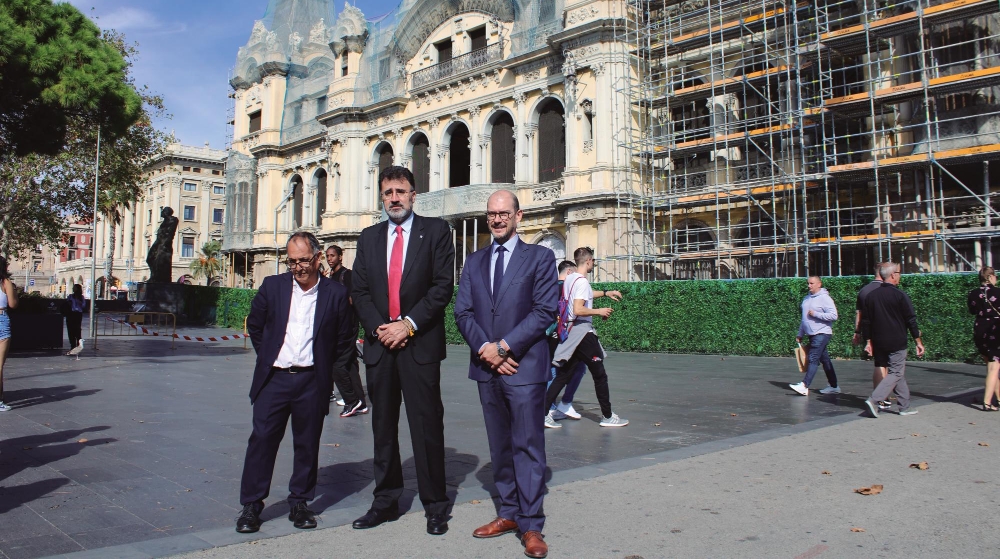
(208, 263)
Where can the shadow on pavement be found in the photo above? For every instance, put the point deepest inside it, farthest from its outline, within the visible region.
(32, 451)
(28, 397)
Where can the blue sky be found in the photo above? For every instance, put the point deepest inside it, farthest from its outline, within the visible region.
(186, 49)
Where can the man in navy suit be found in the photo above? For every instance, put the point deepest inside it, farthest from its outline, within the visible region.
(301, 327)
(506, 299)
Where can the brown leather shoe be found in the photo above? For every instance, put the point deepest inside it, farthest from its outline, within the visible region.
(534, 545)
(498, 527)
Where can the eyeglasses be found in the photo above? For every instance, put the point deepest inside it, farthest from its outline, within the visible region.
(398, 192)
(498, 216)
(293, 263)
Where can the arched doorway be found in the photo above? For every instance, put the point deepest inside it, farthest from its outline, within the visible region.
(459, 156)
(502, 159)
(385, 156)
(320, 180)
(420, 157)
(295, 216)
(551, 140)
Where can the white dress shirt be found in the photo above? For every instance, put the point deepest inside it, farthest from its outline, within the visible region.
(407, 229)
(297, 350)
(509, 246)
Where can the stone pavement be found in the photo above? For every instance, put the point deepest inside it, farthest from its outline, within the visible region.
(136, 450)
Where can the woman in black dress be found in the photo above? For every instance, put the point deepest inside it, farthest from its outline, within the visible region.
(984, 302)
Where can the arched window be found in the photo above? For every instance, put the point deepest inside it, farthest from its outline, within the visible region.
(384, 156)
(421, 162)
(459, 156)
(320, 178)
(691, 236)
(296, 185)
(551, 141)
(502, 158)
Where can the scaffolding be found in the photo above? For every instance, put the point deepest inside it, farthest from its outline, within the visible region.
(774, 138)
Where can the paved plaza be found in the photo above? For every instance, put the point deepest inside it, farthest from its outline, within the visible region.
(136, 450)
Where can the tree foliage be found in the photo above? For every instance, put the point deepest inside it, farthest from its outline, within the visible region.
(55, 67)
(208, 264)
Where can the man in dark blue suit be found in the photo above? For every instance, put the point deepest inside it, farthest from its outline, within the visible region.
(301, 327)
(507, 297)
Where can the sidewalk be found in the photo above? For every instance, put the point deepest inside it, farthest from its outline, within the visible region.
(791, 496)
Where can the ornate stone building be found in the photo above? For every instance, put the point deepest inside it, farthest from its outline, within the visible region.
(471, 95)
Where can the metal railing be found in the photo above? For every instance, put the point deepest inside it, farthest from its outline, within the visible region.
(459, 64)
(134, 324)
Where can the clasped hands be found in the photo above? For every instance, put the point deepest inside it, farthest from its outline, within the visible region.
(394, 334)
(502, 365)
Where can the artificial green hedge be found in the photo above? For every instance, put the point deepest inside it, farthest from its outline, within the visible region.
(732, 317)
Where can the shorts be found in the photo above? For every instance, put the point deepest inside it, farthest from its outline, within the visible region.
(4, 326)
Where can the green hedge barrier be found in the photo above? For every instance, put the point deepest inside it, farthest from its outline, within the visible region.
(732, 317)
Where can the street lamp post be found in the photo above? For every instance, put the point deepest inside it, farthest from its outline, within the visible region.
(93, 241)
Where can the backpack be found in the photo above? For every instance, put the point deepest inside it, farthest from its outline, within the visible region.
(563, 324)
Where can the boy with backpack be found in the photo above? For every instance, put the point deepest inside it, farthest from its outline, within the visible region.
(564, 409)
(578, 340)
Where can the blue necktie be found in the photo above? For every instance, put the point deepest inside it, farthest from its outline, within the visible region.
(498, 272)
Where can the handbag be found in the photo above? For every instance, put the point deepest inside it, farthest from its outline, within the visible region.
(801, 357)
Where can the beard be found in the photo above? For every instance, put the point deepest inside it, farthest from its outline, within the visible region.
(399, 214)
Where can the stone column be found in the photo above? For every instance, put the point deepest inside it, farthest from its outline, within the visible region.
(476, 175)
(521, 147)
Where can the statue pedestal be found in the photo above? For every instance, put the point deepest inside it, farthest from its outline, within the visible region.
(162, 297)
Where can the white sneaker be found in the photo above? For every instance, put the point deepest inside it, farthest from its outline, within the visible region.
(566, 410)
(4, 407)
(830, 390)
(799, 387)
(550, 422)
(614, 421)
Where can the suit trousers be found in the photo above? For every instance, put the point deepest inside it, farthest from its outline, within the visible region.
(397, 376)
(349, 382)
(515, 427)
(284, 395)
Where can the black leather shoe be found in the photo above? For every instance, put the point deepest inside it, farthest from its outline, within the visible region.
(374, 517)
(249, 520)
(303, 518)
(437, 524)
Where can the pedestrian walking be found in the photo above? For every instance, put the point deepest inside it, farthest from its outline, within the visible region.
(878, 373)
(76, 306)
(349, 380)
(564, 408)
(300, 327)
(818, 315)
(8, 300)
(983, 302)
(506, 300)
(887, 316)
(403, 279)
(582, 343)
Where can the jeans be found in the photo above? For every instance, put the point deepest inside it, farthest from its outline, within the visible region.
(589, 352)
(817, 355)
(574, 382)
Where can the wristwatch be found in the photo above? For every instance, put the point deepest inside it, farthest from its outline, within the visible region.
(501, 351)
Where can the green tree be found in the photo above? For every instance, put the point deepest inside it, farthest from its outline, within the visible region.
(208, 265)
(55, 67)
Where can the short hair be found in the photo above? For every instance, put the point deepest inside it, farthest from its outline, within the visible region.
(566, 265)
(395, 172)
(887, 269)
(818, 278)
(335, 248)
(582, 254)
(309, 238)
(985, 273)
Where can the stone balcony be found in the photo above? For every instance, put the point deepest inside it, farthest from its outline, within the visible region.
(470, 201)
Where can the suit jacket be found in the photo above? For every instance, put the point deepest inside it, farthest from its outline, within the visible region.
(426, 288)
(333, 342)
(525, 307)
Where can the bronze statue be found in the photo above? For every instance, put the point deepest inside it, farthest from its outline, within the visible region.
(161, 253)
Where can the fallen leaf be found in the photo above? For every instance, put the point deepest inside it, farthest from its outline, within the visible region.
(732, 415)
(474, 501)
(984, 444)
(920, 466)
(336, 444)
(675, 531)
(826, 473)
(656, 424)
(81, 441)
(972, 423)
(915, 435)
(873, 490)
(631, 400)
(857, 529)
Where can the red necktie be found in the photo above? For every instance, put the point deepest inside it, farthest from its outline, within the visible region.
(395, 273)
